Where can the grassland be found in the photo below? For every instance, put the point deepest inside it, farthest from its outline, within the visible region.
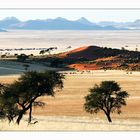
(65, 111)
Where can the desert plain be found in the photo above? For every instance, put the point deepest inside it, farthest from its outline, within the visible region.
(65, 111)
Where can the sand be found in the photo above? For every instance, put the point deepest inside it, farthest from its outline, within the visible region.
(65, 110)
(62, 39)
(67, 123)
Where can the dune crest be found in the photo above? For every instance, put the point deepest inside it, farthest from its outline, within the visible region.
(74, 51)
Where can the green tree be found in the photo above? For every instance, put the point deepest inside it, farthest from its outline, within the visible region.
(8, 106)
(106, 97)
(56, 62)
(42, 52)
(22, 57)
(50, 49)
(28, 88)
(26, 66)
(47, 50)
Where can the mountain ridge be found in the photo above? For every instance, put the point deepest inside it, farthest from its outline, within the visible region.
(58, 23)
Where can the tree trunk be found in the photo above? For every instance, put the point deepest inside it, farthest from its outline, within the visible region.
(109, 118)
(24, 110)
(20, 116)
(30, 114)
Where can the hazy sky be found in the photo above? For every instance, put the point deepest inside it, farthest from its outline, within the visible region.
(92, 15)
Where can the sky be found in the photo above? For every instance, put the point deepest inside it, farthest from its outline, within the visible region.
(91, 15)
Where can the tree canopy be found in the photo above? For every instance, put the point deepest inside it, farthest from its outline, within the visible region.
(22, 94)
(106, 97)
(22, 57)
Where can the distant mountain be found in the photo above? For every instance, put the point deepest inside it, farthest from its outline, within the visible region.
(135, 24)
(59, 24)
(85, 21)
(52, 24)
(1, 30)
(7, 22)
(109, 23)
(64, 24)
(128, 25)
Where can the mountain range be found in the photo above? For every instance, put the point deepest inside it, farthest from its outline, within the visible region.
(64, 24)
(1, 30)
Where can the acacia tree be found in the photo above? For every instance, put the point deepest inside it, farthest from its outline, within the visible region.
(56, 62)
(50, 49)
(31, 85)
(26, 66)
(106, 97)
(8, 106)
(42, 52)
(47, 50)
(22, 57)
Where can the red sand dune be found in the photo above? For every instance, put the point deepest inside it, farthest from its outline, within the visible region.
(94, 66)
(107, 59)
(84, 66)
(98, 57)
(90, 66)
(73, 51)
(87, 52)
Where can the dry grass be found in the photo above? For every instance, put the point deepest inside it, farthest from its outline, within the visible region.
(67, 123)
(69, 102)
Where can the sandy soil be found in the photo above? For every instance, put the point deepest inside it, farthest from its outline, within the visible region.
(65, 110)
(64, 38)
(68, 123)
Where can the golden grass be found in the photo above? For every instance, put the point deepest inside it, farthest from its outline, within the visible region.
(69, 102)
